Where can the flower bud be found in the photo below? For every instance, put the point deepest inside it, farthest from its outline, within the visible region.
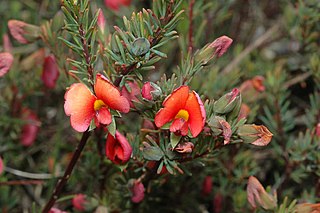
(55, 210)
(7, 46)
(137, 189)
(30, 128)
(101, 21)
(318, 130)
(308, 208)
(228, 102)
(184, 147)
(130, 92)
(116, 4)
(24, 33)
(221, 45)
(78, 202)
(217, 203)
(251, 89)
(207, 185)
(219, 126)
(118, 149)
(254, 134)
(6, 60)
(50, 72)
(151, 91)
(1, 166)
(257, 195)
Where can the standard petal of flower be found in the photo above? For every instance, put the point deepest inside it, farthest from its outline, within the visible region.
(197, 113)
(6, 60)
(110, 95)
(104, 116)
(172, 104)
(79, 102)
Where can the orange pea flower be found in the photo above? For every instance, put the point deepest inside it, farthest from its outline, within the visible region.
(82, 105)
(185, 109)
(118, 149)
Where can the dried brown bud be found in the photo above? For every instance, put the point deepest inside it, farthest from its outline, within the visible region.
(254, 134)
(185, 147)
(257, 195)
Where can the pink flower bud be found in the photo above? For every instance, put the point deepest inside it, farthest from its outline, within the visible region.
(318, 130)
(101, 21)
(30, 128)
(6, 60)
(221, 45)
(78, 202)
(116, 4)
(217, 203)
(137, 191)
(24, 33)
(146, 91)
(131, 95)
(257, 195)
(118, 149)
(7, 46)
(50, 72)
(1, 166)
(55, 210)
(207, 185)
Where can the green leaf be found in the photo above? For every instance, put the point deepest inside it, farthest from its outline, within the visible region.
(112, 127)
(174, 139)
(152, 153)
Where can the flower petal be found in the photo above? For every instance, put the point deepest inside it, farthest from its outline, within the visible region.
(104, 116)
(110, 95)
(172, 104)
(79, 102)
(6, 60)
(118, 149)
(197, 113)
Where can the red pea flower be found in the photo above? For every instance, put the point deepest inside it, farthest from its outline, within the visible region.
(185, 109)
(118, 149)
(1, 166)
(82, 105)
(78, 202)
(30, 128)
(116, 4)
(6, 60)
(50, 72)
(137, 191)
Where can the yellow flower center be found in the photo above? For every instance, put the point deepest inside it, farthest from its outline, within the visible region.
(183, 114)
(98, 104)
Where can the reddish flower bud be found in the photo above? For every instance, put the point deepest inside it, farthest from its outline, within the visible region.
(78, 202)
(137, 191)
(131, 94)
(207, 185)
(101, 21)
(228, 102)
(318, 130)
(116, 4)
(6, 60)
(308, 208)
(146, 91)
(254, 134)
(221, 45)
(118, 149)
(30, 128)
(50, 72)
(55, 210)
(257, 195)
(217, 203)
(24, 33)
(244, 111)
(1, 166)
(7, 46)
(257, 83)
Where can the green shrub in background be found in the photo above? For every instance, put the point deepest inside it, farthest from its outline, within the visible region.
(141, 159)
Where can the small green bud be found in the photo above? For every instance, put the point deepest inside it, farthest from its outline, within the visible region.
(228, 102)
(254, 134)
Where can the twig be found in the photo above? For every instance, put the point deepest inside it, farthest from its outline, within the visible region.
(297, 79)
(190, 35)
(28, 174)
(68, 171)
(258, 42)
